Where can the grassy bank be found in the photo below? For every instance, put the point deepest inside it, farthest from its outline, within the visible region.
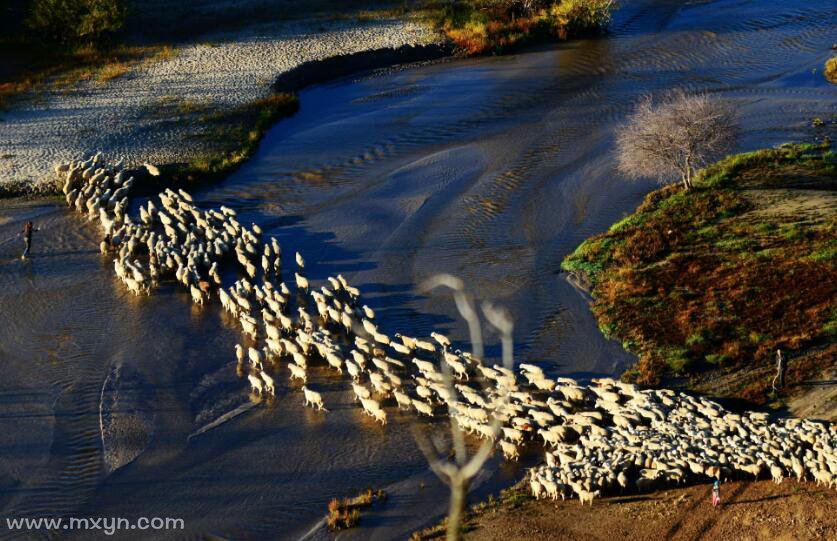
(710, 282)
(489, 26)
(234, 136)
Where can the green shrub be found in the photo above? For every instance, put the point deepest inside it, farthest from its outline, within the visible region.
(76, 21)
(583, 16)
(829, 253)
(830, 326)
(735, 245)
(677, 359)
(716, 358)
(630, 221)
(698, 339)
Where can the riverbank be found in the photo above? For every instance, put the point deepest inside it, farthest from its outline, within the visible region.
(705, 285)
(199, 107)
(194, 109)
(749, 510)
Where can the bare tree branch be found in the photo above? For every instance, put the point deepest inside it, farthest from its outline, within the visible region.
(458, 474)
(672, 138)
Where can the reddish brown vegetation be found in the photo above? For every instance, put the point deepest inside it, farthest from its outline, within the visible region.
(345, 512)
(720, 277)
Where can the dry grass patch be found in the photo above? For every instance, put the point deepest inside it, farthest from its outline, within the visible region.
(111, 71)
(344, 513)
(55, 68)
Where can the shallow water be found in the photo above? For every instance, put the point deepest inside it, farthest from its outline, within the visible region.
(491, 169)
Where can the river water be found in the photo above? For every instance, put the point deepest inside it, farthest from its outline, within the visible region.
(490, 169)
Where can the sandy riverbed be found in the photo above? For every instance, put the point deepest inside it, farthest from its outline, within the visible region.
(153, 113)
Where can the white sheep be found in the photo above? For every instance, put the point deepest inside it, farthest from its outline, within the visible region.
(587, 496)
(256, 384)
(423, 407)
(334, 361)
(441, 339)
(269, 386)
(776, 473)
(510, 451)
(313, 399)
(298, 372)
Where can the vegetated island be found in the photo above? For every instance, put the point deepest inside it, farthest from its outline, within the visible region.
(705, 285)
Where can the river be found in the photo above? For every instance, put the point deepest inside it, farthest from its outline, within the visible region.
(491, 169)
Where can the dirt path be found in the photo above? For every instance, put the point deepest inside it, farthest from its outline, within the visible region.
(750, 510)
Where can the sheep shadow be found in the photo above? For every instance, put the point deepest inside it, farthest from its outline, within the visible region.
(711, 518)
(630, 499)
(764, 499)
(816, 383)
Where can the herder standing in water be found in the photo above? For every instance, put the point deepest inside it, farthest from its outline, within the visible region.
(27, 238)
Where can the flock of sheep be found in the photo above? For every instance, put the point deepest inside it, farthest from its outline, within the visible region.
(598, 438)
(618, 438)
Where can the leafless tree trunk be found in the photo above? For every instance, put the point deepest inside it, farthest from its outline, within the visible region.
(672, 138)
(457, 474)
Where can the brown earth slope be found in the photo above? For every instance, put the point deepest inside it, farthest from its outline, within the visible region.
(749, 510)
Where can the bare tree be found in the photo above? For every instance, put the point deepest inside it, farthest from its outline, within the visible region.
(672, 138)
(458, 473)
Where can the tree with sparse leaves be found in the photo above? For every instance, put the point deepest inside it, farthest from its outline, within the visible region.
(76, 21)
(672, 138)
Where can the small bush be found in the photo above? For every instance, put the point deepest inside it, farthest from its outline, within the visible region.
(583, 16)
(830, 71)
(677, 359)
(340, 517)
(716, 359)
(698, 339)
(76, 21)
(830, 326)
(344, 513)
